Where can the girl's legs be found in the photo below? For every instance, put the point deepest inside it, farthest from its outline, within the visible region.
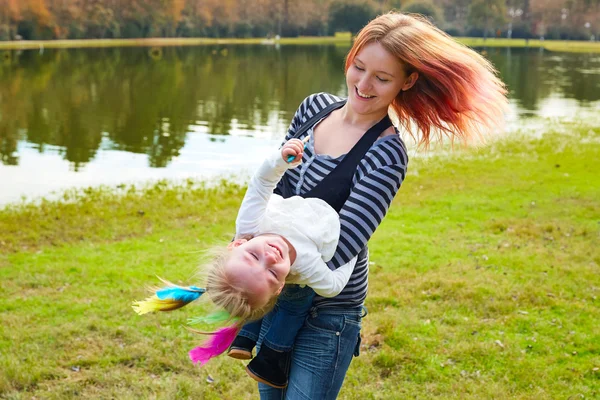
(293, 306)
(272, 361)
(251, 330)
(242, 346)
(322, 353)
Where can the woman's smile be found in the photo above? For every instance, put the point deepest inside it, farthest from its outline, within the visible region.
(362, 95)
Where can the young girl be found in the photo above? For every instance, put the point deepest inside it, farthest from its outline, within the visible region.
(277, 241)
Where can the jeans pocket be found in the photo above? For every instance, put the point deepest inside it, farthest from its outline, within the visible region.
(357, 347)
(333, 324)
(353, 321)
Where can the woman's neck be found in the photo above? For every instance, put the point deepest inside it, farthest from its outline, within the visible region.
(363, 121)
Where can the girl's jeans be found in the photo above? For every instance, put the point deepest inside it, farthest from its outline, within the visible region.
(293, 305)
(321, 356)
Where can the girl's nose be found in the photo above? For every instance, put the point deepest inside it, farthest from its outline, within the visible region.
(270, 257)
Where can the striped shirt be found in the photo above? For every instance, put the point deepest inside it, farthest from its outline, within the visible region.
(375, 183)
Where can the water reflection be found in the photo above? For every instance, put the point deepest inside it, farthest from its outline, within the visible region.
(145, 100)
(79, 103)
(534, 75)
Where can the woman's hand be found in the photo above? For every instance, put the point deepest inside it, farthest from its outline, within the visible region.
(293, 147)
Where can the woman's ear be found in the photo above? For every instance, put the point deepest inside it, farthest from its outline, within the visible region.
(410, 81)
(236, 243)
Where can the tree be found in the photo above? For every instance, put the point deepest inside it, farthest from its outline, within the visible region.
(37, 20)
(66, 16)
(100, 20)
(10, 15)
(74, 19)
(344, 16)
(486, 14)
(432, 12)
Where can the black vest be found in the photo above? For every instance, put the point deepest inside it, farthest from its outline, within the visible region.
(335, 187)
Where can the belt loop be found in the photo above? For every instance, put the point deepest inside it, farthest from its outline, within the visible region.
(313, 312)
(363, 312)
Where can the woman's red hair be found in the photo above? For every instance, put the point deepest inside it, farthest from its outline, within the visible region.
(458, 92)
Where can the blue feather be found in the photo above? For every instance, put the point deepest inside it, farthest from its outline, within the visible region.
(183, 294)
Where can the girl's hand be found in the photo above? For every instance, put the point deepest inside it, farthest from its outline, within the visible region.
(293, 147)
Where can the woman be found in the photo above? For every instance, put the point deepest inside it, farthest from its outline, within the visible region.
(402, 65)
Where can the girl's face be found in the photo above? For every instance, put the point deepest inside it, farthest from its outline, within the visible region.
(374, 79)
(259, 266)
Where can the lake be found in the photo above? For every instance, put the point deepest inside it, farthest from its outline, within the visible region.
(83, 117)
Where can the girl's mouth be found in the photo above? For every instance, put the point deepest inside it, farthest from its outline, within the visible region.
(277, 250)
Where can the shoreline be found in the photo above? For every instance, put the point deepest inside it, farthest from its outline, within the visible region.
(550, 45)
(164, 42)
(240, 174)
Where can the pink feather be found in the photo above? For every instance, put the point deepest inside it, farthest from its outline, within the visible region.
(215, 345)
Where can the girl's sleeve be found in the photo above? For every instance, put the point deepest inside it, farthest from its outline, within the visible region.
(262, 184)
(260, 189)
(368, 203)
(321, 279)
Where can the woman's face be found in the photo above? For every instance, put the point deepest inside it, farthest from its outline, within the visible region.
(374, 79)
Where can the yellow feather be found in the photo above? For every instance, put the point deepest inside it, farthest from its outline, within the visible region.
(153, 303)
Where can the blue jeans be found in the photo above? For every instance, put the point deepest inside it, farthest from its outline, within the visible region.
(293, 305)
(321, 356)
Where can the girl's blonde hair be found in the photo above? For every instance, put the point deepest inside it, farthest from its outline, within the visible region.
(458, 93)
(226, 294)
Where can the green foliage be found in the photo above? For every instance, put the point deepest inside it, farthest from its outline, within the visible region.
(487, 14)
(4, 32)
(77, 19)
(431, 11)
(393, 4)
(351, 17)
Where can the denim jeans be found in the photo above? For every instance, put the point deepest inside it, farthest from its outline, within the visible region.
(321, 356)
(293, 305)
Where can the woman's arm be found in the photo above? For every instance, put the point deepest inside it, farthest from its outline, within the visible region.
(369, 200)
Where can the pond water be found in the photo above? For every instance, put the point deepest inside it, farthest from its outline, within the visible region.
(83, 117)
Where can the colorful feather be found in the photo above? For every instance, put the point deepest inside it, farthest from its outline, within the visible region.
(215, 345)
(168, 298)
(214, 318)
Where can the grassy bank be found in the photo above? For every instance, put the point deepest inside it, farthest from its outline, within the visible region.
(36, 44)
(552, 45)
(572, 46)
(484, 284)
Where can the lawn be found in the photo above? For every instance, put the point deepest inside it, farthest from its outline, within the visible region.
(484, 283)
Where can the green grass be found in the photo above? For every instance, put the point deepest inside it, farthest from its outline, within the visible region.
(340, 38)
(573, 46)
(484, 284)
(36, 44)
